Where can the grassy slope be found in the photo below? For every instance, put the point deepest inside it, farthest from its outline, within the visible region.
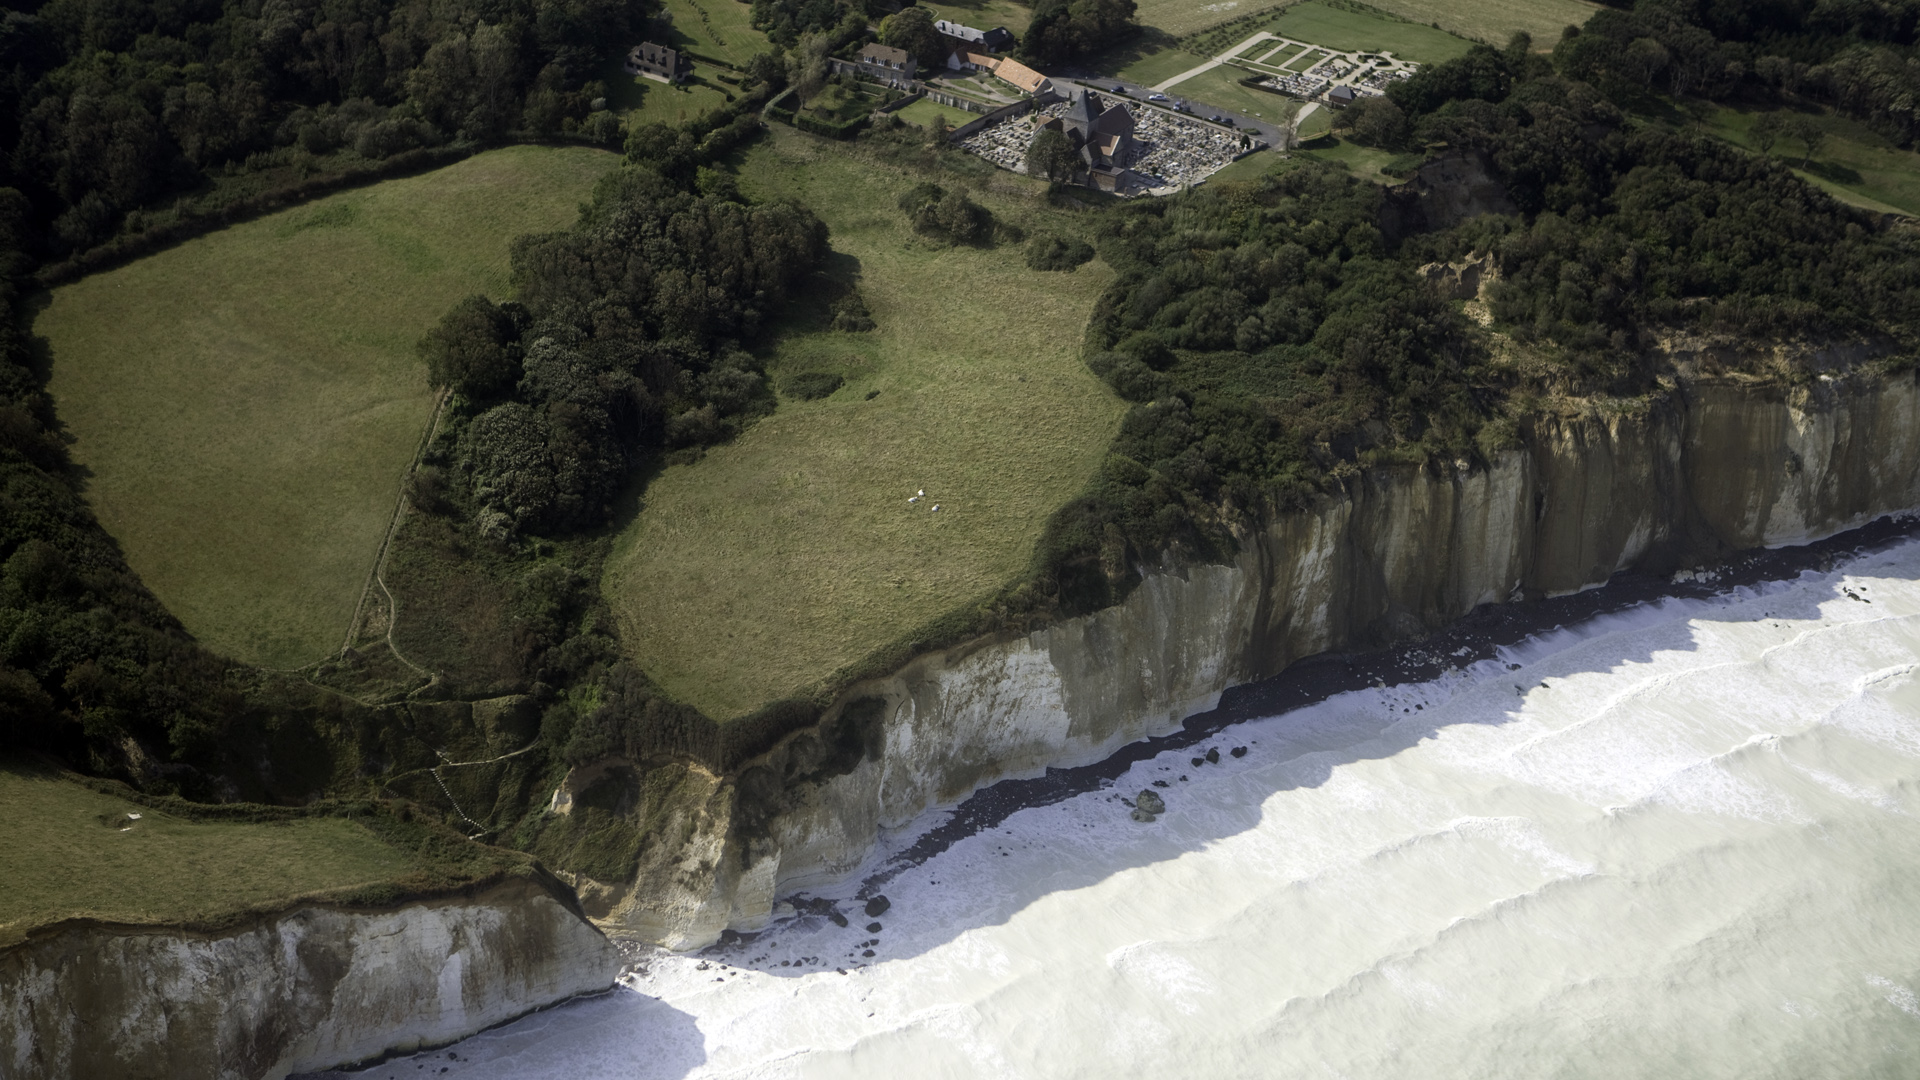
(1179, 18)
(782, 557)
(1855, 164)
(1495, 20)
(642, 101)
(247, 401)
(1365, 162)
(162, 868)
(1351, 31)
(726, 33)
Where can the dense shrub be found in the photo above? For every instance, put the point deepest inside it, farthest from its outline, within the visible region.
(810, 385)
(1047, 251)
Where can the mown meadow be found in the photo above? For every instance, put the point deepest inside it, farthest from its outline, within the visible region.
(246, 403)
(758, 571)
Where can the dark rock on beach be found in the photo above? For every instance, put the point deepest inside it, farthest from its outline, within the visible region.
(878, 906)
(1152, 803)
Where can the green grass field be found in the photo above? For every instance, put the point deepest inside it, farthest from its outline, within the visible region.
(923, 112)
(1495, 20)
(1220, 87)
(776, 560)
(642, 101)
(1315, 124)
(1154, 66)
(1306, 60)
(1364, 162)
(984, 14)
(1179, 18)
(721, 29)
(1252, 167)
(1351, 31)
(246, 402)
(73, 852)
(1854, 163)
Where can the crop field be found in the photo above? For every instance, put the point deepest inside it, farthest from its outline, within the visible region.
(774, 561)
(720, 29)
(247, 402)
(1495, 21)
(73, 852)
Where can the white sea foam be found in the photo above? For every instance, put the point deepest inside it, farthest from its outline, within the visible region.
(1681, 840)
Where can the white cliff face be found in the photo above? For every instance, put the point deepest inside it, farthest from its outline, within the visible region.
(1718, 469)
(308, 990)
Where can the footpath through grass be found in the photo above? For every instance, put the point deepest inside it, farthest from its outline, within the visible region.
(246, 403)
(774, 561)
(73, 852)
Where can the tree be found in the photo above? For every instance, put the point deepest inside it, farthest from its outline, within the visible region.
(912, 30)
(1765, 131)
(1051, 155)
(1063, 31)
(1373, 121)
(468, 352)
(1808, 132)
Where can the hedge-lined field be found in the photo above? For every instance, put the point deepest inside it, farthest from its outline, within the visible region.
(247, 402)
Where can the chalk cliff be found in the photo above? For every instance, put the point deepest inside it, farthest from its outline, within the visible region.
(301, 991)
(1709, 469)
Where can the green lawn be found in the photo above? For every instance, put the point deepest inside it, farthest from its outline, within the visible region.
(1494, 20)
(923, 112)
(776, 560)
(1306, 60)
(984, 14)
(641, 101)
(72, 852)
(1351, 31)
(1155, 66)
(1252, 167)
(1365, 162)
(1317, 123)
(1221, 88)
(721, 29)
(1854, 163)
(245, 403)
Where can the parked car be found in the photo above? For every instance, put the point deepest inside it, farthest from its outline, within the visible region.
(1118, 89)
(1156, 97)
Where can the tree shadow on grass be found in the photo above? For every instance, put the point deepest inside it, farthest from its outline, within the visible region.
(1307, 744)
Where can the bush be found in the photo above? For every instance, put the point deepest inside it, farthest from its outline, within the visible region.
(1049, 252)
(810, 385)
(850, 313)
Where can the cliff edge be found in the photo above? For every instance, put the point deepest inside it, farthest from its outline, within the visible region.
(311, 988)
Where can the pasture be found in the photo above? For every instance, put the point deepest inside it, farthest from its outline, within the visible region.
(982, 14)
(758, 571)
(73, 852)
(643, 101)
(246, 403)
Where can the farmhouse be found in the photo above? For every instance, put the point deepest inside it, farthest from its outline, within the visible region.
(657, 62)
(1022, 77)
(886, 64)
(1340, 97)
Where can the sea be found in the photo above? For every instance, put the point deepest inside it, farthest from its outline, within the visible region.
(1666, 829)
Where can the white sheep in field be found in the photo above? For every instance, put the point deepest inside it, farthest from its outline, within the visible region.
(915, 499)
(921, 494)
(936, 506)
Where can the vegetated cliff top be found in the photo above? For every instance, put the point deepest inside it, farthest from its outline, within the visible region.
(87, 849)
